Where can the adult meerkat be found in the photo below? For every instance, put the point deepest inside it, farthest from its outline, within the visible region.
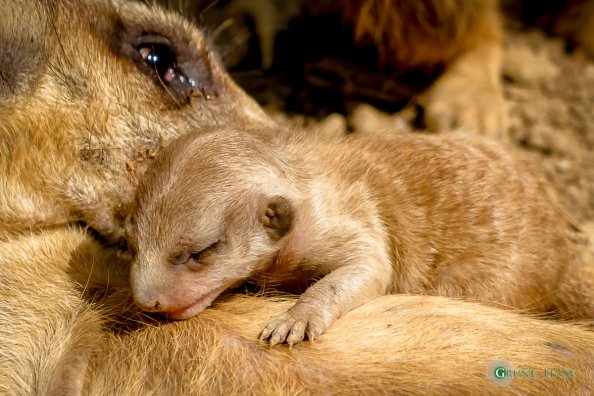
(452, 216)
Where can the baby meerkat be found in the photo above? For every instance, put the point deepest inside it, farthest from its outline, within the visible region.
(364, 216)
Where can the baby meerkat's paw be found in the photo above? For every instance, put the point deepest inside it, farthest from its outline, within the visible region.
(292, 326)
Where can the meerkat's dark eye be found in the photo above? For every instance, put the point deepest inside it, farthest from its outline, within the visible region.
(180, 67)
(161, 59)
(164, 64)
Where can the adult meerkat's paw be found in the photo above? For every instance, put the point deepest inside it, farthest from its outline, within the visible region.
(468, 95)
(292, 326)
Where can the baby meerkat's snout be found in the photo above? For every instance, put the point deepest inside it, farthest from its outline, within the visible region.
(146, 298)
(147, 301)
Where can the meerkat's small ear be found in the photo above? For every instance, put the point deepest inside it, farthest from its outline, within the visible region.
(276, 215)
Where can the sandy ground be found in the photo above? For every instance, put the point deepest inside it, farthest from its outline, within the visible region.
(550, 94)
(551, 116)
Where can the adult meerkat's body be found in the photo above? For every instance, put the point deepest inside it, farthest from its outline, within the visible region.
(91, 339)
(451, 216)
(463, 36)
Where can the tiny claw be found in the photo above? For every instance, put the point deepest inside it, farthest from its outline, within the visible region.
(314, 330)
(297, 333)
(311, 335)
(265, 333)
(292, 328)
(276, 338)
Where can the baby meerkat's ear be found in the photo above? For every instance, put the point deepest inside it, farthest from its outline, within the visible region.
(276, 215)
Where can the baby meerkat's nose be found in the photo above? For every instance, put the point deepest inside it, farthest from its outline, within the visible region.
(148, 302)
(145, 290)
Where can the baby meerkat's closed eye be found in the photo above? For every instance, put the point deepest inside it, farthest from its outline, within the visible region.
(195, 258)
(201, 254)
(276, 215)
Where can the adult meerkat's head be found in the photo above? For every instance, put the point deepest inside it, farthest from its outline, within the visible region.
(212, 210)
(90, 91)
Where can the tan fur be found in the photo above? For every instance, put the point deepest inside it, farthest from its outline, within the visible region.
(78, 124)
(421, 33)
(451, 216)
(462, 35)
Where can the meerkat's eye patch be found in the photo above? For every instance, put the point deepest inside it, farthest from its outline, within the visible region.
(174, 55)
(277, 217)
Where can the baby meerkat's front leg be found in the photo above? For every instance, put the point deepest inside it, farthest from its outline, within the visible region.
(342, 290)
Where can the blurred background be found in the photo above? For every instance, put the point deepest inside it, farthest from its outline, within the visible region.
(307, 50)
